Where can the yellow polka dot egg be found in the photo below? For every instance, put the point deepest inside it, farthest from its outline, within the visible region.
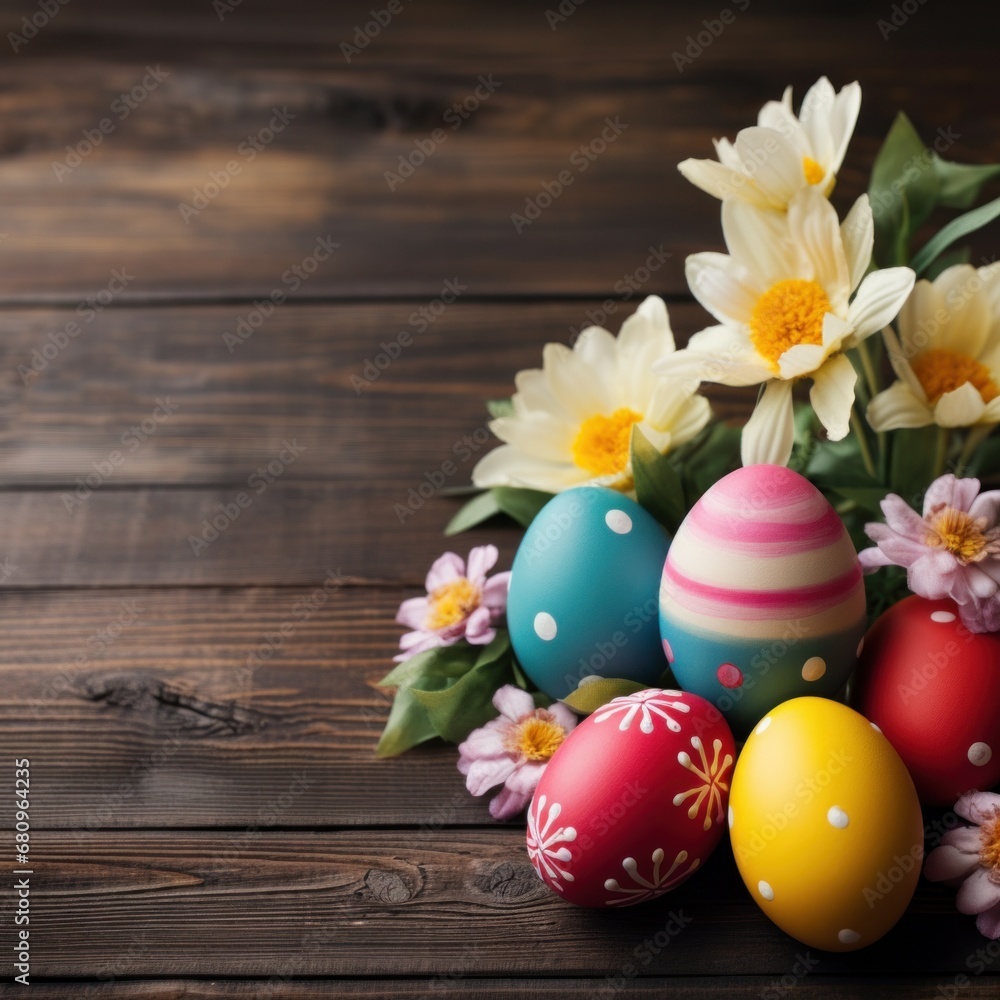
(825, 825)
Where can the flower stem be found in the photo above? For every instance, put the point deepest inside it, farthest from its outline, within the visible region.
(857, 425)
(976, 436)
(941, 452)
(871, 377)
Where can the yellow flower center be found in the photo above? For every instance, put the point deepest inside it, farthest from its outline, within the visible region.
(790, 312)
(989, 853)
(537, 738)
(452, 602)
(941, 371)
(602, 445)
(813, 171)
(963, 535)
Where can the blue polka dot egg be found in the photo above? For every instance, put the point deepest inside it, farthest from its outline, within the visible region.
(584, 591)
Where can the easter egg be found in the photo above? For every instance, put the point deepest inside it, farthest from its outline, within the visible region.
(634, 801)
(583, 591)
(762, 597)
(825, 824)
(933, 688)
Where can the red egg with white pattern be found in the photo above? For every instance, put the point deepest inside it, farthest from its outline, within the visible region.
(634, 801)
(933, 688)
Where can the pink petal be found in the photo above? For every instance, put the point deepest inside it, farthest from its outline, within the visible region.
(902, 519)
(952, 492)
(513, 703)
(982, 585)
(933, 576)
(508, 804)
(485, 742)
(946, 863)
(899, 550)
(477, 627)
(873, 559)
(413, 612)
(978, 807)
(446, 569)
(978, 892)
(524, 780)
(481, 561)
(494, 592)
(964, 838)
(563, 715)
(419, 642)
(987, 505)
(484, 773)
(981, 616)
(988, 922)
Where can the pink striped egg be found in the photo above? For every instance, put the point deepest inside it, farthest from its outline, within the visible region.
(762, 597)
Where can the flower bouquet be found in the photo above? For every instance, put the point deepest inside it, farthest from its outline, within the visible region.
(686, 637)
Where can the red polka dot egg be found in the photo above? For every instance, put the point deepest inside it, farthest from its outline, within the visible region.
(634, 801)
(933, 688)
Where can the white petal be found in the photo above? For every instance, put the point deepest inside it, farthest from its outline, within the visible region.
(815, 229)
(777, 168)
(717, 354)
(722, 285)
(843, 118)
(676, 408)
(832, 395)
(921, 319)
(962, 407)
(690, 420)
(533, 392)
(539, 434)
(879, 299)
(727, 154)
(580, 389)
(759, 241)
(802, 359)
(506, 466)
(770, 432)
(719, 181)
(963, 292)
(835, 331)
(597, 348)
(898, 407)
(814, 114)
(901, 364)
(857, 233)
(644, 338)
(780, 117)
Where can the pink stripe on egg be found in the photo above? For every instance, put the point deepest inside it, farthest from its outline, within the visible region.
(783, 537)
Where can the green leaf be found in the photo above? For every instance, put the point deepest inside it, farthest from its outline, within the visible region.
(912, 467)
(442, 661)
(658, 486)
(477, 510)
(500, 407)
(520, 504)
(468, 703)
(903, 191)
(705, 460)
(407, 725)
(960, 256)
(960, 183)
(595, 691)
(954, 230)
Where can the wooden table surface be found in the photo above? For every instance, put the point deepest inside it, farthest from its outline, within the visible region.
(208, 815)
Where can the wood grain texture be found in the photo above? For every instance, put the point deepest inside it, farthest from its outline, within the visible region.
(385, 903)
(324, 173)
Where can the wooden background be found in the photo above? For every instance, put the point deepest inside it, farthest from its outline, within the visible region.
(204, 829)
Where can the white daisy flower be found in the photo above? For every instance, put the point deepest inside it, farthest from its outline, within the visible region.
(772, 161)
(947, 355)
(573, 418)
(783, 301)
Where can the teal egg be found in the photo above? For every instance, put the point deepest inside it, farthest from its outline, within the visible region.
(584, 591)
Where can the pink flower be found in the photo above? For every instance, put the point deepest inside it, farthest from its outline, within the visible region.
(970, 856)
(460, 603)
(513, 749)
(952, 551)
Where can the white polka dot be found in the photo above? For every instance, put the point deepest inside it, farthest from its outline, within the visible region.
(730, 817)
(876, 728)
(861, 645)
(814, 668)
(980, 754)
(761, 726)
(836, 816)
(618, 521)
(545, 626)
(847, 936)
(942, 616)
(764, 888)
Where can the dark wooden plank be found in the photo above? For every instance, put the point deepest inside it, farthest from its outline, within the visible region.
(191, 709)
(325, 172)
(163, 389)
(363, 903)
(279, 987)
